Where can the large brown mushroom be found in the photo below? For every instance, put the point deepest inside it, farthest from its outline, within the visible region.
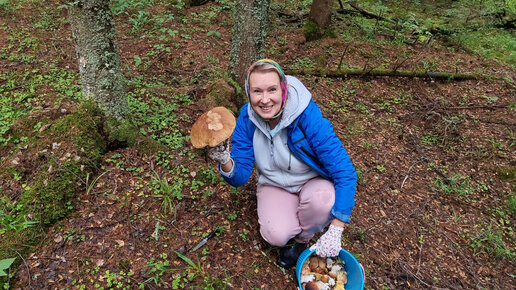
(212, 128)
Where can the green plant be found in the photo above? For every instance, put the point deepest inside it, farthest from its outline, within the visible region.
(195, 269)
(168, 192)
(457, 184)
(243, 235)
(430, 139)
(511, 204)
(157, 228)
(91, 184)
(4, 265)
(117, 160)
(120, 280)
(208, 175)
(213, 33)
(4, 5)
(380, 168)
(490, 240)
(11, 217)
(158, 269)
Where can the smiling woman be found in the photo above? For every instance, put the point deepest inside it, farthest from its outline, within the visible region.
(305, 178)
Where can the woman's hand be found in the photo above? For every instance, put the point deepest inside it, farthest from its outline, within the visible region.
(330, 243)
(221, 153)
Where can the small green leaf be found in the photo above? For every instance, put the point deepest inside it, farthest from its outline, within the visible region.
(4, 265)
(137, 60)
(214, 33)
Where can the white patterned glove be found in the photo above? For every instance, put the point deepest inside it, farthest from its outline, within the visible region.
(220, 153)
(330, 243)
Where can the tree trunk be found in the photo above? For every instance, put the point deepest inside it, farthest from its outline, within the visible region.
(320, 12)
(249, 34)
(102, 80)
(103, 85)
(318, 20)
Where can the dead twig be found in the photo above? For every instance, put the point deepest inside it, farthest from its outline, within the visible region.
(409, 274)
(490, 107)
(369, 14)
(342, 56)
(28, 269)
(407, 175)
(425, 159)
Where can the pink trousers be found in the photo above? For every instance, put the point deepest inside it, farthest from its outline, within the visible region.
(283, 215)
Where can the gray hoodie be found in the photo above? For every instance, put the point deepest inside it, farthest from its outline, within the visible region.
(276, 165)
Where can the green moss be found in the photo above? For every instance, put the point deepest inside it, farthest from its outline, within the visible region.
(311, 30)
(49, 198)
(148, 146)
(117, 133)
(321, 60)
(51, 188)
(120, 132)
(81, 128)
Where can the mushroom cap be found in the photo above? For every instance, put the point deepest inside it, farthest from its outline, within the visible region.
(212, 128)
(311, 286)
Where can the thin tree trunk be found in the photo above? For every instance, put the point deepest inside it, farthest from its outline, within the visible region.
(102, 80)
(249, 35)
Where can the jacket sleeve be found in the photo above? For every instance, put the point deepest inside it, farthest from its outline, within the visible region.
(242, 151)
(330, 152)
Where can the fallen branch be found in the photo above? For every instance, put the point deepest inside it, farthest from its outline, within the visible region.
(369, 14)
(487, 107)
(389, 73)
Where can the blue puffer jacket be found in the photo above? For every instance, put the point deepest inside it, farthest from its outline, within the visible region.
(311, 138)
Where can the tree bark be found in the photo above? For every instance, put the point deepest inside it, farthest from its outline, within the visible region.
(320, 12)
(93, 30)
(249, 35)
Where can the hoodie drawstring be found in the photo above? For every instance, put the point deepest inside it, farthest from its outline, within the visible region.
(289, 158)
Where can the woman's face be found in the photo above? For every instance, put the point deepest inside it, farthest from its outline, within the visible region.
(265, 93)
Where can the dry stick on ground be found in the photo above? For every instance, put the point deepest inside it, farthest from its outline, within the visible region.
(398, 65)
(369, 14)
(419, 258)
(488, 107)
(490, 121)
(342, 56)
(409, 274)
(407, 175)
(28, 269)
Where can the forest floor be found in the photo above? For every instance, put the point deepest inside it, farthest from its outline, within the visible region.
(435, 204)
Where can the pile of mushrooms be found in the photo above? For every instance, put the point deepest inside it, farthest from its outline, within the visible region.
(320, 273)
(212, 128)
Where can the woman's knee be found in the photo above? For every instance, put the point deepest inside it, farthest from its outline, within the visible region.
(276, 237)
(318, 195)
